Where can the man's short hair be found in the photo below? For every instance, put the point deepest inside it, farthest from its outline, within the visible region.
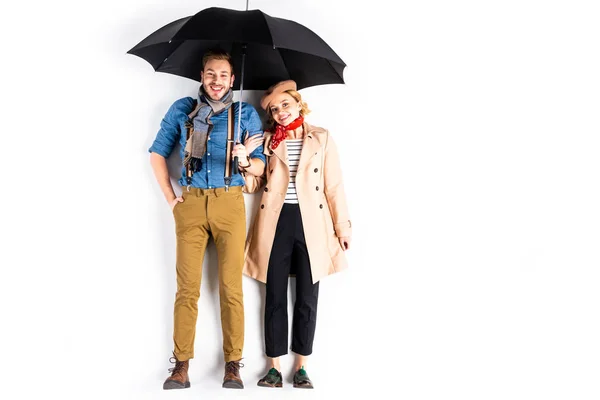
(217, 54)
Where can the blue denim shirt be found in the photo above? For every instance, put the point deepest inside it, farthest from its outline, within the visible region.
(212, 173)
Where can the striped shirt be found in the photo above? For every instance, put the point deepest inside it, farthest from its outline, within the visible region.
(294, 148)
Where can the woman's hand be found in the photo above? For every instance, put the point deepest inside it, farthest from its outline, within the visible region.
(345, 242)
(252, 142)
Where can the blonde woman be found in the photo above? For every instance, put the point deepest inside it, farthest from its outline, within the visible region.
(302, 227)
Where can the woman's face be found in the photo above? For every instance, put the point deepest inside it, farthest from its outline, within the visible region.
(284, 109)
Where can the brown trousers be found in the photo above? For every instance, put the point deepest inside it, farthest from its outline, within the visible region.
(222, 214)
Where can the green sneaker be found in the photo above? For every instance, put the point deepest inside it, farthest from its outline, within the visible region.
(301, 380)
(272, 379)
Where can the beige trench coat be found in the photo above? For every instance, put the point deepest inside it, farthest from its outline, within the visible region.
(322, 204)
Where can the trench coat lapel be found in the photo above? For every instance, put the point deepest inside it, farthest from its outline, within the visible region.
(281, 153)
(310, 147)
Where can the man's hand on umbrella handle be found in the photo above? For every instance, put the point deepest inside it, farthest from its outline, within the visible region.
(174, 202)
(345, 242)
(239, 151)
(252, 142)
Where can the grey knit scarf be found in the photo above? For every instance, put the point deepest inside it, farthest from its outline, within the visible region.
(195, 147)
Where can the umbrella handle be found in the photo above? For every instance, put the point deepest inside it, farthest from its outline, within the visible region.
(235, 165)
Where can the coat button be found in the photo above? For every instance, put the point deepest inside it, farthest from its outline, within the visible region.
(317, 188)
(262, 206)
(320, 205)
(316, 169)
(266, 189)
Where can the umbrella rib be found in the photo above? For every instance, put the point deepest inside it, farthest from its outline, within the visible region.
(329, 62)
(269, 28)
(284, 63)
(174, 50)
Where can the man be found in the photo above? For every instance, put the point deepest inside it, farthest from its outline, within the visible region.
(210, 204)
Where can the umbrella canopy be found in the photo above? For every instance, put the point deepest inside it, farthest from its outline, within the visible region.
(268, 49)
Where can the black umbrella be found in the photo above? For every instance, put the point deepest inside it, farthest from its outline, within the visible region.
(268, 49)
(276, 49)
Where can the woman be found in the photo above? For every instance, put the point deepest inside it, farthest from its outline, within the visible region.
(302, 227)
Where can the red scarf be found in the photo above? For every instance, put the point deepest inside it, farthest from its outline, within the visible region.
(279, 135)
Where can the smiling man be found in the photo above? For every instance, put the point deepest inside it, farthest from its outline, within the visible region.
(211, 204)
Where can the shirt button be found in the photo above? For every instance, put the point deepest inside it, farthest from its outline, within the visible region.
(262, 206)
(208, 171)
(210, 187)
(316, 169)
(208, 154)
(317, 188)
(266, 189)
(320, 205)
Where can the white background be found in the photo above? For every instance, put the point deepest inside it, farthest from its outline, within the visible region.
(469, 139)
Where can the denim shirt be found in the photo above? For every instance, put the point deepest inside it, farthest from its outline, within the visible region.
(212, 173)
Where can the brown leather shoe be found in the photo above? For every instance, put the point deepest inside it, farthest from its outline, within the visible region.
(232, 379)
(179, 378)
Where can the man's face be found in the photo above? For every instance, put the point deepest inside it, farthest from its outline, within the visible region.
(284, 109)
(217, 78)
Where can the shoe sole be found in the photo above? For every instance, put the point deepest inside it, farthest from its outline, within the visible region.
(168, 385)
(264, 384)
(233, 385)
(303, 386)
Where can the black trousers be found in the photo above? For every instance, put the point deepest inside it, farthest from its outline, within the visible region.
(289, 254)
